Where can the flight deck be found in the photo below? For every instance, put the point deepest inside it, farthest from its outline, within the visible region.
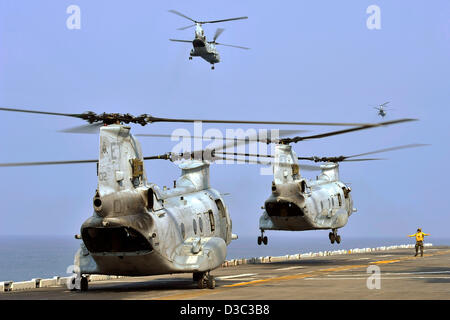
(388, 274)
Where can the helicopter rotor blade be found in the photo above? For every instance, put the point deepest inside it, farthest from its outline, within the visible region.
(231, 45)
(304, 167)
(407, 146)
(44, 163)
(177, 40)
(370, 159)
(144, 119)
(223, 20)
(348, 158)
(257, 138)
(154, 119)
(41, 112)
(91, 128)
(182, 15)
(217, 34)
(332, 133)
(187, 27)
(166, 156)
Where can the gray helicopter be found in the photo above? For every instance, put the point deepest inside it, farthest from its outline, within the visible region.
(137, 228)
(299, 204)
(381, 109)
(201, 47)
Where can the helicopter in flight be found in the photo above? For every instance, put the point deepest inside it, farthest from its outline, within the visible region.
(300, 204)
(382, 109)
(201, 47)
(138, 228)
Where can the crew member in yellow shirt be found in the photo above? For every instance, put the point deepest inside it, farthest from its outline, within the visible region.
(419, 241)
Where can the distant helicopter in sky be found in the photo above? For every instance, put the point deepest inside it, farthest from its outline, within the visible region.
(382, 109)
(201, 47)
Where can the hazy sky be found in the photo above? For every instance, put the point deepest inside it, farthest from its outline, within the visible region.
(309, 61)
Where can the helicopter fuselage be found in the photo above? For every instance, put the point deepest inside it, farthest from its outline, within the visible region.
(381, 113)
(307, 205)
(299, 204)
(207, 51)
(139, 229)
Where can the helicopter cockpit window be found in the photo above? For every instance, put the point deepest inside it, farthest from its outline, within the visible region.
(339, 199)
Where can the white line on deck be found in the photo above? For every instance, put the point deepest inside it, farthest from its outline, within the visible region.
(382, 278)
(236, 276)
(392, 273)
(290, 268)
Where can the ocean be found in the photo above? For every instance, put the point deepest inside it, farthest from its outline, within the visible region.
(26, 257)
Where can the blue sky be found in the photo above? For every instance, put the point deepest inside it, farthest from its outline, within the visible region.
(309, 61)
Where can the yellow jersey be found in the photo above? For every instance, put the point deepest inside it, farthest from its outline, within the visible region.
(419, 235)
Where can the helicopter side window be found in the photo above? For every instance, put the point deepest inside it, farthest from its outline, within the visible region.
(150, 194)
(183, 231)
(211, 220)
(303, 186)
(194, 226)
(200, 224)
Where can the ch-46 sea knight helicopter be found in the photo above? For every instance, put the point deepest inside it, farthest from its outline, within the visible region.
(299, 204)
(201, 47)
(382, 109)
(139, 229)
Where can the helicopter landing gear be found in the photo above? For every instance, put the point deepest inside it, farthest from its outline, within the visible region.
(190, 58)
(204, 280)
(212, 67)
(262, 239)
(333, 236)
(84, 283)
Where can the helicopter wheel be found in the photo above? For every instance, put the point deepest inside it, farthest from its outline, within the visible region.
(264, 240)
(196, 276)
(190, 58)
(201, 281)
(332, 237)
(84, 284)
(212, 67)
(211, 282)
(338, 239)
(259, 240)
